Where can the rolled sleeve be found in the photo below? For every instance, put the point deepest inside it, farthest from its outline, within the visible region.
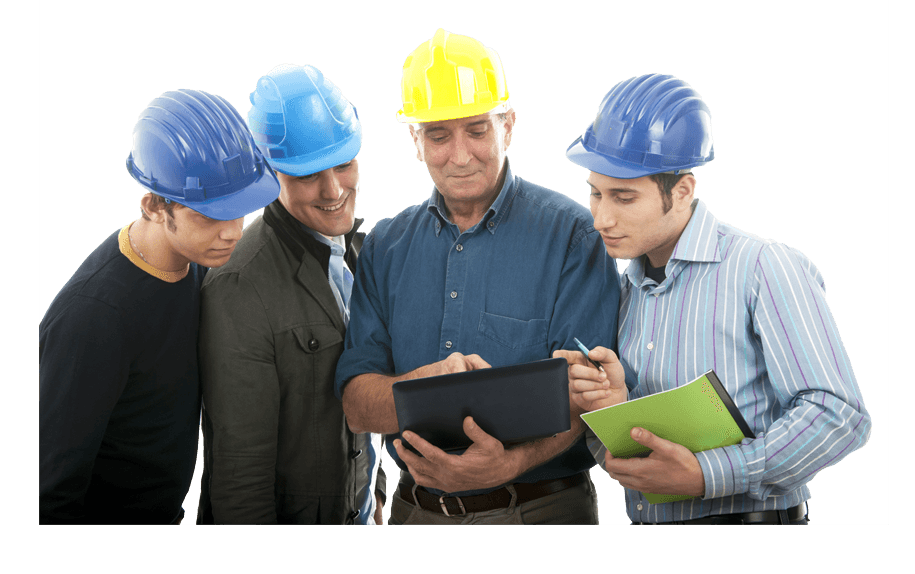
(368, 344)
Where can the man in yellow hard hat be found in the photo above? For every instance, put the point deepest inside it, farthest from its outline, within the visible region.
(491, 270)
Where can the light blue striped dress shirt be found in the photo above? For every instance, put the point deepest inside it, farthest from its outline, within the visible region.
(755, 312)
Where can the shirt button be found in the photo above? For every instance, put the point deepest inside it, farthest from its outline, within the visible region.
(459, 247)
(650, 346)
(639, 507)
(447, 344)
(454, 294)
(492, 224)
(313, 345)
(655, 294)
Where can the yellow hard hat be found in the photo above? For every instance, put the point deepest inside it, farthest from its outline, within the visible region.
(451, 76)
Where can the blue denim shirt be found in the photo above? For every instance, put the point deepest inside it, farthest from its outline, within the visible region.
(530, 276)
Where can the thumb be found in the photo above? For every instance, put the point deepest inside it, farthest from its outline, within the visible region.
(476, 434)
(645, 438)
(603, 355)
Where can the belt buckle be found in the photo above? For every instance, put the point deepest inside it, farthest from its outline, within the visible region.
(441, 501)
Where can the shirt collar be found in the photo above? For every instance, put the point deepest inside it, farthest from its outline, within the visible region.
(336, 244)
(697, 243)
(493, 215)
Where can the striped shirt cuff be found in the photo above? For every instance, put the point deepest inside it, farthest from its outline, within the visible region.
(725, 471)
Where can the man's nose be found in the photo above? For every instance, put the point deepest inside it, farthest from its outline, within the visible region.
(232, 230)
(460, 153)
(604, 217)
(331, 189)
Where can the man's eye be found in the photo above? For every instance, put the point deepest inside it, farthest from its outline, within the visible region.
(625, 199)
(344, 167)
(310, 177)
(477, 134)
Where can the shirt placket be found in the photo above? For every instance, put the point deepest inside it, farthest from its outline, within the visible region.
(648, 339)
(455, 282)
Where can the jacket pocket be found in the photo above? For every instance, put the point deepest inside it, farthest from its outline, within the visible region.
(316, 338)
(513, 333)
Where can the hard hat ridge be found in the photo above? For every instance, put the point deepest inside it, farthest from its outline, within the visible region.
(193, 148)
(302, 122)
(451, 76)
(645, 125)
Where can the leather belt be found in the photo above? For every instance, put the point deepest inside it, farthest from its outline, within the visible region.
(499, 498)
(792, 514)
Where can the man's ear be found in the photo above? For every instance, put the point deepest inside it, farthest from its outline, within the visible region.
(419, 147)
(682, 193)
(154, 210)
(508, 125)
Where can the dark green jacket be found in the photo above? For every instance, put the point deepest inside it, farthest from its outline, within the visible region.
(276, 445)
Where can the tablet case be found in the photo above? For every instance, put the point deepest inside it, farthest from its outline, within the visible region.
(514, 404)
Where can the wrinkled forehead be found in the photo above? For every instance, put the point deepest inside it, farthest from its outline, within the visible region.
(457, 124)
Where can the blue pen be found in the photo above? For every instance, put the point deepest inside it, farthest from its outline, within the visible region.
(586, 352)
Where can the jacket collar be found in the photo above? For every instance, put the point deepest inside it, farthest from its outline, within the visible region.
(298, 241)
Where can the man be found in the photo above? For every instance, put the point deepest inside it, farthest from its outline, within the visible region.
(490, 271)
(276, 445)
(698, 295)
(119, 399)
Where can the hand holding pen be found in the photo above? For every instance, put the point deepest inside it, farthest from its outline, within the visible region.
(595, 388)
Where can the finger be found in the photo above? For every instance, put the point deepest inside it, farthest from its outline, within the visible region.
(430, 452)
(454, 363)
(571, 357)
(579, 386)
(405, 454)
(474, 362)
(618, 467)
(587, 372)
(479, 436)
(593, 396)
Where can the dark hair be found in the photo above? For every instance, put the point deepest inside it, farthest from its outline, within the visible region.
(666, 183)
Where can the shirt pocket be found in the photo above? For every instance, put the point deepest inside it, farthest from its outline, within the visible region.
(513, 333)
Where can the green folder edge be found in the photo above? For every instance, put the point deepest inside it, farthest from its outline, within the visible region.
(699, 415)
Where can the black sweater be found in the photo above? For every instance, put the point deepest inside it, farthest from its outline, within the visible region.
(119, 394)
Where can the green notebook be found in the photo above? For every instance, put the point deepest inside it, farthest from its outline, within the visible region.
(699, 415)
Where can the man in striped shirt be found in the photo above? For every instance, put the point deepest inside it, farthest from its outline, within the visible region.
(699, 295)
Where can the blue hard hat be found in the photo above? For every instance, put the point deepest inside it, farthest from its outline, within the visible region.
(193, 148)
(301, 121)
(650, 124)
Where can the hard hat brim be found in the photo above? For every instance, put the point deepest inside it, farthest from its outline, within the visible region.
(451, 113)
(259, 194)
(612, 167)
(320, 160)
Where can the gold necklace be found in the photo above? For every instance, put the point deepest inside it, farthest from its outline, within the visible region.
(135, 248)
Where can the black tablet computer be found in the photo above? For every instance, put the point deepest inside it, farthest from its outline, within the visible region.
(514, 404)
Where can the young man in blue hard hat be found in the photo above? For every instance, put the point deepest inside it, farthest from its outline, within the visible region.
(491, 270)
(699, 295)
(119, 392)
(276, 445)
